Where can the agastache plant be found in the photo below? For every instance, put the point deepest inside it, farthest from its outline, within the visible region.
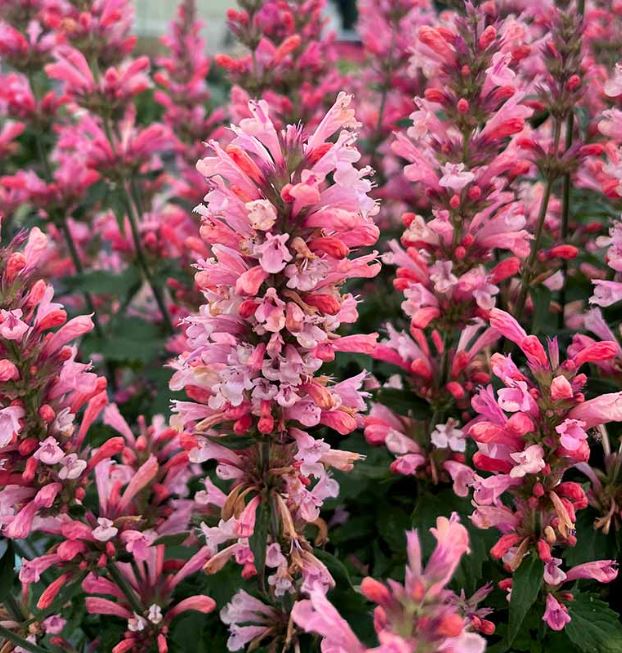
(451, 263)
(48, 400)
(529, 434)
(282, 215)
(289, 60)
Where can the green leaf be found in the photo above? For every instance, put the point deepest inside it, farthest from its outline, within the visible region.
(595, 627)
(403, 402)
(259, 538)
(175, 539)
(103, 282)
(525, 589)
(115, 200)
(189, 632)
(337, 569)
(132, 339)
(393, 523)
(7, 568)
(541, 296)
(594, 544)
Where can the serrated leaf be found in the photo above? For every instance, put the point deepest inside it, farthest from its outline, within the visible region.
(595, 627)
(526, 586)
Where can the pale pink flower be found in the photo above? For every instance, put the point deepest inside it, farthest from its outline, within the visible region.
(10, 423)
(556, 614)
(455, 176)
(49, 452)
(105, 529)
(530, 461)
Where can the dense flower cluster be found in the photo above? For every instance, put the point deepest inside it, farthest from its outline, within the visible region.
(528, 434)
(283, 213)
(463, 157)
(48, 400)
(290, 61)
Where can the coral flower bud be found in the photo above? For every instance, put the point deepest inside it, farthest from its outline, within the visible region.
(46, 413)
(435, 95)
(226, 62)
(487, 38)
(8, 371)
(474, 192)
(407, 219)
(504, 544)
(375, 591)
(564, 252)
(573, 83)
(487, 628)
(51, 591)
(290, 44)
(15, 264)
(450, 626)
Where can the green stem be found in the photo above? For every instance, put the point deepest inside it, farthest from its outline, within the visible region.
(566, 200)
(264, 461)
(132, 201)
(77, 263)
(376, 137)
(125, 587)
(10, 636)
(528, 269)
(142, 261)
(60, 219)
(526, 277)
(565, 220)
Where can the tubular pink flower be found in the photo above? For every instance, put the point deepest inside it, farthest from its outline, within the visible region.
(600, 410)
(556, 614)
(317, 615)
(198, 603)
(96, 605)
(603, 571)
